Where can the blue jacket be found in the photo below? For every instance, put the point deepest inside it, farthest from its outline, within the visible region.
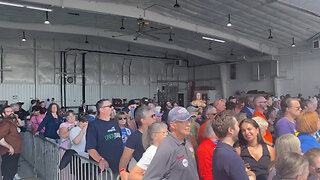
(248, 111)
(52, 125)
(307, 141)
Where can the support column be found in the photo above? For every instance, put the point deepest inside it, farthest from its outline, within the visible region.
(224, 80)
(83, 77)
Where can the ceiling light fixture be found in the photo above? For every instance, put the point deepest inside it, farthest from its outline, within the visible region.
(47, 18)
(270, 34)
(293, 44)
(38, 8)
(213, 39)
(11, 4)
(24, 39)
(86, 40)
(26, 6)
(122, 27)
(170, 39)
(229, 20)
(209, 49)
(176, 5)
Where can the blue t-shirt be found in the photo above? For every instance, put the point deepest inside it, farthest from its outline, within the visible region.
(91, 119)
(318, 134)
(307, 142)
(126, 132)
(227, 164)
(135, 142)
(105, 138)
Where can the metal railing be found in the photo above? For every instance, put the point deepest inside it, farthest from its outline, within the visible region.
(45, 156)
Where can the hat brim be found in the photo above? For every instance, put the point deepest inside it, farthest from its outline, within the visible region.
(185, 118)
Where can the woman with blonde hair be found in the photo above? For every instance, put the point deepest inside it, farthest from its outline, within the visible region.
(122, 119)
(307, 125)
(292, 166)
(151, 139)
(263, 126)
(284, 144)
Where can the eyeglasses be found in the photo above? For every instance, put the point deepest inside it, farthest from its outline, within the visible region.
(262, 102)
(109, 106)
(298, 108)
(163, 132)
(123, 118)
(317, 170)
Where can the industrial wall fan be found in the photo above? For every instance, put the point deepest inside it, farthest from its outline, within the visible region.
(144, 29)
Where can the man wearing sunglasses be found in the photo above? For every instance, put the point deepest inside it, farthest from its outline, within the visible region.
(133, 150)
(174, 158)
(103, 138)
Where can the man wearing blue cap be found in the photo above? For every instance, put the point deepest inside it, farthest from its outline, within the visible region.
(175, 158)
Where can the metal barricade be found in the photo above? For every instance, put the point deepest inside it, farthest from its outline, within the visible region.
(44, 156)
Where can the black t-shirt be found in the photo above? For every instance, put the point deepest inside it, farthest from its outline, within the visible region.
(135, 142)
(106, 138)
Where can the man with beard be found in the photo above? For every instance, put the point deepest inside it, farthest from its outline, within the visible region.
(9, 131)
(260, 104)
(226, 163)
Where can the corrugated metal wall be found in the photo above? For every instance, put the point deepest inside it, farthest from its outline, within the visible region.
(35, 67)
(17, 92)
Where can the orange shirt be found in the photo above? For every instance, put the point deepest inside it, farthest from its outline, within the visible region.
(201, 132)
(268, 136)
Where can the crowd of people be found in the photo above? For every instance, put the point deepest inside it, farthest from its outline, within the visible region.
(243, 137)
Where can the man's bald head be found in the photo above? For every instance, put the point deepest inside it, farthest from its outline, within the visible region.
(220, 105)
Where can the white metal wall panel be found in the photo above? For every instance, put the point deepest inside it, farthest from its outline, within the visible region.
(128, 92)
(92, 94)
(73, 94)
(92, 68)
(111, 91)
(46, 66)
(21, 61)
(140, 72)
(111, 67)
(45, 91)
(17, 92)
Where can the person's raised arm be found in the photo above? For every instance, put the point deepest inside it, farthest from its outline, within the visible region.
(124, 161)
(42, 124)
(76, 138)
(136, 173)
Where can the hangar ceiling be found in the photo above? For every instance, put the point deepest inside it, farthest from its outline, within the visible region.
(100, 20)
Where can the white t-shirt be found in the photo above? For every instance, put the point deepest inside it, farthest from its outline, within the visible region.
(81, 146)
(147, 157)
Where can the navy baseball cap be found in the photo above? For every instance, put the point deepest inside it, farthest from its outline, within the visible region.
(179, 114)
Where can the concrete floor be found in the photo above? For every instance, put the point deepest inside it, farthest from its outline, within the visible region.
(24, 170)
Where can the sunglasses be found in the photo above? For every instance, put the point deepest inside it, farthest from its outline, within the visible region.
(110, 106)
(123, 118)
(317, 170)
(153, 115)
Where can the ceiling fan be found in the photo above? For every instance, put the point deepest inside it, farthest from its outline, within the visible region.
(143, 29)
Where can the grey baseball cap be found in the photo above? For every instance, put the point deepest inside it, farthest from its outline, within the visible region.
(179, 114)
